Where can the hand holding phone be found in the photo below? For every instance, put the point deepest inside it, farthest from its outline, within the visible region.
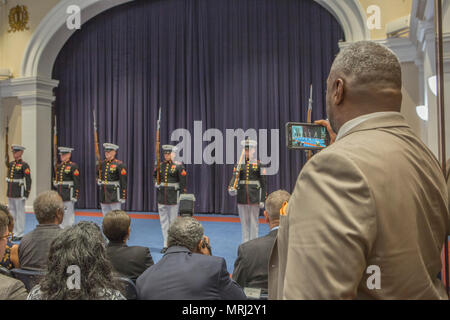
(331, 133)
(205, 247)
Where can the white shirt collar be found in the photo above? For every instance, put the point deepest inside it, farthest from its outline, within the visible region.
(349, 125)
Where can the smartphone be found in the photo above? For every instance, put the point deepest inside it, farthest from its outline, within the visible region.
(206, 245)
(306, 136)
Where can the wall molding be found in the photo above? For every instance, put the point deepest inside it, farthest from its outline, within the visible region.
(52, 33)
(404, 48)
(350, 16)
(30, 90)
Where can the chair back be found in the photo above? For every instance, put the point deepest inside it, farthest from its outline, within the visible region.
(129, 288)
(5, 272)
(30, 278)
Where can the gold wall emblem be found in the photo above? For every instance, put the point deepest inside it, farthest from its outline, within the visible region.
(18, 19)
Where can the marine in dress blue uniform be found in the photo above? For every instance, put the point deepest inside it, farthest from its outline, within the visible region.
(67, 184)
(173, 183)
(251, 190)
(18, 189)
(112, 181)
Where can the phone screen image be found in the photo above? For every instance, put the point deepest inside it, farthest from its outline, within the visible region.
(308, 137)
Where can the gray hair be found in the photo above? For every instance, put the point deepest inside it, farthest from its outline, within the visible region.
(274, 202)
(185, 232)
(369, 62)
(47, 205)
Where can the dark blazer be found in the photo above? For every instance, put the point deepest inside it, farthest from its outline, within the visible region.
(183, 275)
(129, 262)
(252, 263)
(35, 246)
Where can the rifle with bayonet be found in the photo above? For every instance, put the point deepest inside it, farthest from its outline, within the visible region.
(157, 152)
(55, 150)
(238, 170)
(308, 120)
(97, 148)
(7, 145)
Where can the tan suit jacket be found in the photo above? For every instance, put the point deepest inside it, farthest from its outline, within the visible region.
(376, 197)
(12, 289)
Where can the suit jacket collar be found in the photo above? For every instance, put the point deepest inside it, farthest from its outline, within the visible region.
(385, 121)
(117, 244)
(177, 249)
(273, 233)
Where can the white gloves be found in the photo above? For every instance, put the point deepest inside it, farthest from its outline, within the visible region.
(122, 200)
(232, 192)
(261, 205)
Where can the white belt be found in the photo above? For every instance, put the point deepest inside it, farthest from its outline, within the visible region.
(168, 184)
(253, 182)
(15, 180)
(110, 183)
(64, 183)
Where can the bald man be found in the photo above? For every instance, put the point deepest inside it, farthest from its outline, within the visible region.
(368, 215)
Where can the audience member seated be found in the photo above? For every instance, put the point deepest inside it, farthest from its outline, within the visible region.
(78, 268)
(10, 258)
(251, 266)
(129, 262)
(187, 270)
(34, 247)
(10, 288)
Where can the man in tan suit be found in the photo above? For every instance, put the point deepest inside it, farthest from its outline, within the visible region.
(368, 216)
(10, 288)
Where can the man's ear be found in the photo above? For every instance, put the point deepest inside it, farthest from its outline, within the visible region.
(338, 91)
(199, 246)
(266, 216)
(60, 215)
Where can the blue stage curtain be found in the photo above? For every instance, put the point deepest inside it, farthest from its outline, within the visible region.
(228, 63)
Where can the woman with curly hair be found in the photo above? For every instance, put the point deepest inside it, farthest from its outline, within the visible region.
(10, 260)
(79, 247)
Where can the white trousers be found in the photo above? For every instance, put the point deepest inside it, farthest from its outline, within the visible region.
(69, 214)
(249, 221)
(167, 215)
(17, 208)
(107, 207)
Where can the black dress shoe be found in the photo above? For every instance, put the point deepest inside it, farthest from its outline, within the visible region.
(164, 250)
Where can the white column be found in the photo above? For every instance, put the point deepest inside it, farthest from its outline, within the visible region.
(36, 96)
